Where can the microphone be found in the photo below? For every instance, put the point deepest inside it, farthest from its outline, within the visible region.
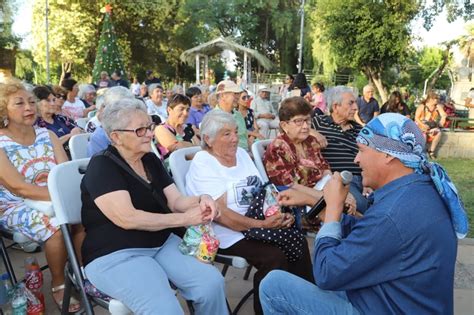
(321, 204)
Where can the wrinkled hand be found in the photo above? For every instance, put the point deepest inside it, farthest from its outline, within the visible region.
(196, 216)
(350, 205)
(288, 220)
(208, 208)
(273, 222)
(366, 191)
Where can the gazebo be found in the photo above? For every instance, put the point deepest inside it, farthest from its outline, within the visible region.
(218, 45)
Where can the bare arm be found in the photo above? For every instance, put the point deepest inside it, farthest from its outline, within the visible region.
(237, 222)
(180, 203)
(118, 208)
(443, 115)
(168, 139)
(358, 119)
(15, 182)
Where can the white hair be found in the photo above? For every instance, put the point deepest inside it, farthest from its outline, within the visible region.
(84, 89)
(367, 88)
(214, 121)
(153, 87)
(115, 94)
(334, 95)
(119, 114)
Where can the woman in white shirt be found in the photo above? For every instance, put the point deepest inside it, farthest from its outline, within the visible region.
(226, 173)
(73, 106)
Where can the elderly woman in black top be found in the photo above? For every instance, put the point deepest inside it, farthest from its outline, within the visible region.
(130, 207)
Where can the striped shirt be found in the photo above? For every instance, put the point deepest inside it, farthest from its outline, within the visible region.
(342, 145)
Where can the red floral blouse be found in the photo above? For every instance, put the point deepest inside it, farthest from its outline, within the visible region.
(285, 167)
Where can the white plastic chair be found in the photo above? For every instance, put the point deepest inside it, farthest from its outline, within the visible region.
(64, 188)
(155, 150)
(258, 151)
(179, 165)
(78, 146)
(81, 122)
(91, 114)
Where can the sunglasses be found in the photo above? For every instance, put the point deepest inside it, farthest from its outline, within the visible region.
(61, 96)
(245, 97)
(141, 131)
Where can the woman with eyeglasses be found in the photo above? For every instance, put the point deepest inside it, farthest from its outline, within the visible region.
(248, 114)
(27, 154)
(295, 155)
(63, 126)
(174, 133)
(61, 95)
(130, 209)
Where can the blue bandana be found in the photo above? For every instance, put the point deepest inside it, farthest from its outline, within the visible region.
(400, 137)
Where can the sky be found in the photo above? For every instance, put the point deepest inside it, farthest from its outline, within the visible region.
(441, 30)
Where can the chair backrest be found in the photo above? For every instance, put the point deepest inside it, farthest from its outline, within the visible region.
(155, 150)
(81, 122)
(258, 151)
(78, 146)
(64, 182)
(179, 166)
(91, 114)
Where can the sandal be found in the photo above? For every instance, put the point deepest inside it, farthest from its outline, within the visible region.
(432, 155)
(74, 305)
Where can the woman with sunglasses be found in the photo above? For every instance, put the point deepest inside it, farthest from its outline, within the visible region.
(63, 126)
(130, 209)
(174, 133)
(248, 114)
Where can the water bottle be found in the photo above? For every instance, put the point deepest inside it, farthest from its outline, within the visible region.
(19, 300)
(5, 294)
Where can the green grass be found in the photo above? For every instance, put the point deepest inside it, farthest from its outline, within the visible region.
(461, 172)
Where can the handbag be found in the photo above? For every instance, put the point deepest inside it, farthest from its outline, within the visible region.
(290, 240)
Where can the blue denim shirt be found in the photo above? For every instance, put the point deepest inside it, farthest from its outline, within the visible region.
(399, 258)
(97, 142)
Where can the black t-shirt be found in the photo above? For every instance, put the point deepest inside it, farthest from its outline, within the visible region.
(103, 176)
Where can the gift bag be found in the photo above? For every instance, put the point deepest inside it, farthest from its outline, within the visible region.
(290, 240)
(201, 242)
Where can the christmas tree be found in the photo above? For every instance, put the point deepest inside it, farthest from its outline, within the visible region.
(108, 57)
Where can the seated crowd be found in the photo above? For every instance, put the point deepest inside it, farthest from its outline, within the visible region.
(393, 225)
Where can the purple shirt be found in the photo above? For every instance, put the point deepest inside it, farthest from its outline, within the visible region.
(196, 115)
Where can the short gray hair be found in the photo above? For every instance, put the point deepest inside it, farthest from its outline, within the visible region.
(153, 87)
(115, 94)
(368, 87)
(84, 89)
(334, 95)
(118, 114)
(99, 102)
(214, 121)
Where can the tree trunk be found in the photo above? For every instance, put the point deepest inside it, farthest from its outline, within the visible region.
(65, 68)
(439, 72)
(375, 79)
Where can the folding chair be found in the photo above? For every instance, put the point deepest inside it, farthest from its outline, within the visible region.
(258, 151)
(179, 162)
(64, 188)
(154, 149)
(78, 146)
(81, 122)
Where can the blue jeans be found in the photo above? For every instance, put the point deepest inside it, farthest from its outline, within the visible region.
(138, 277)
(284, 293)
(355, 189)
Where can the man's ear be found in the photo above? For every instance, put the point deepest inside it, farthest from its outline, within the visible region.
(388, 158)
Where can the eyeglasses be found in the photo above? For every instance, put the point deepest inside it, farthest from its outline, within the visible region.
(141, 131)
(61, 96)
(245, 97)
(300, 121)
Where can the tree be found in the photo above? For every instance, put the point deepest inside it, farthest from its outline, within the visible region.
(7, 39)
(108, 57)
(374, 36)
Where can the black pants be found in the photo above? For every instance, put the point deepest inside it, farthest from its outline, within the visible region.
(265, 258)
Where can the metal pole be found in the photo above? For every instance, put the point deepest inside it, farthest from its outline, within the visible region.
(300, 55)
(46, 22)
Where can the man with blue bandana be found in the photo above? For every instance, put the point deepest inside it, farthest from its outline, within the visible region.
(397, 259)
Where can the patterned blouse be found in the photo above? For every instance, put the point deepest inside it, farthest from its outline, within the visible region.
(284, 166)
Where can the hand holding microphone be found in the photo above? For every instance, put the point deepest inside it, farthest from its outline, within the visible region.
(335, 192)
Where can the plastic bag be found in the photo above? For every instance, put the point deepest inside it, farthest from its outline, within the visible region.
(200, 241)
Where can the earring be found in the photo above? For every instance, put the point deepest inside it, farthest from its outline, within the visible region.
(5, 121)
